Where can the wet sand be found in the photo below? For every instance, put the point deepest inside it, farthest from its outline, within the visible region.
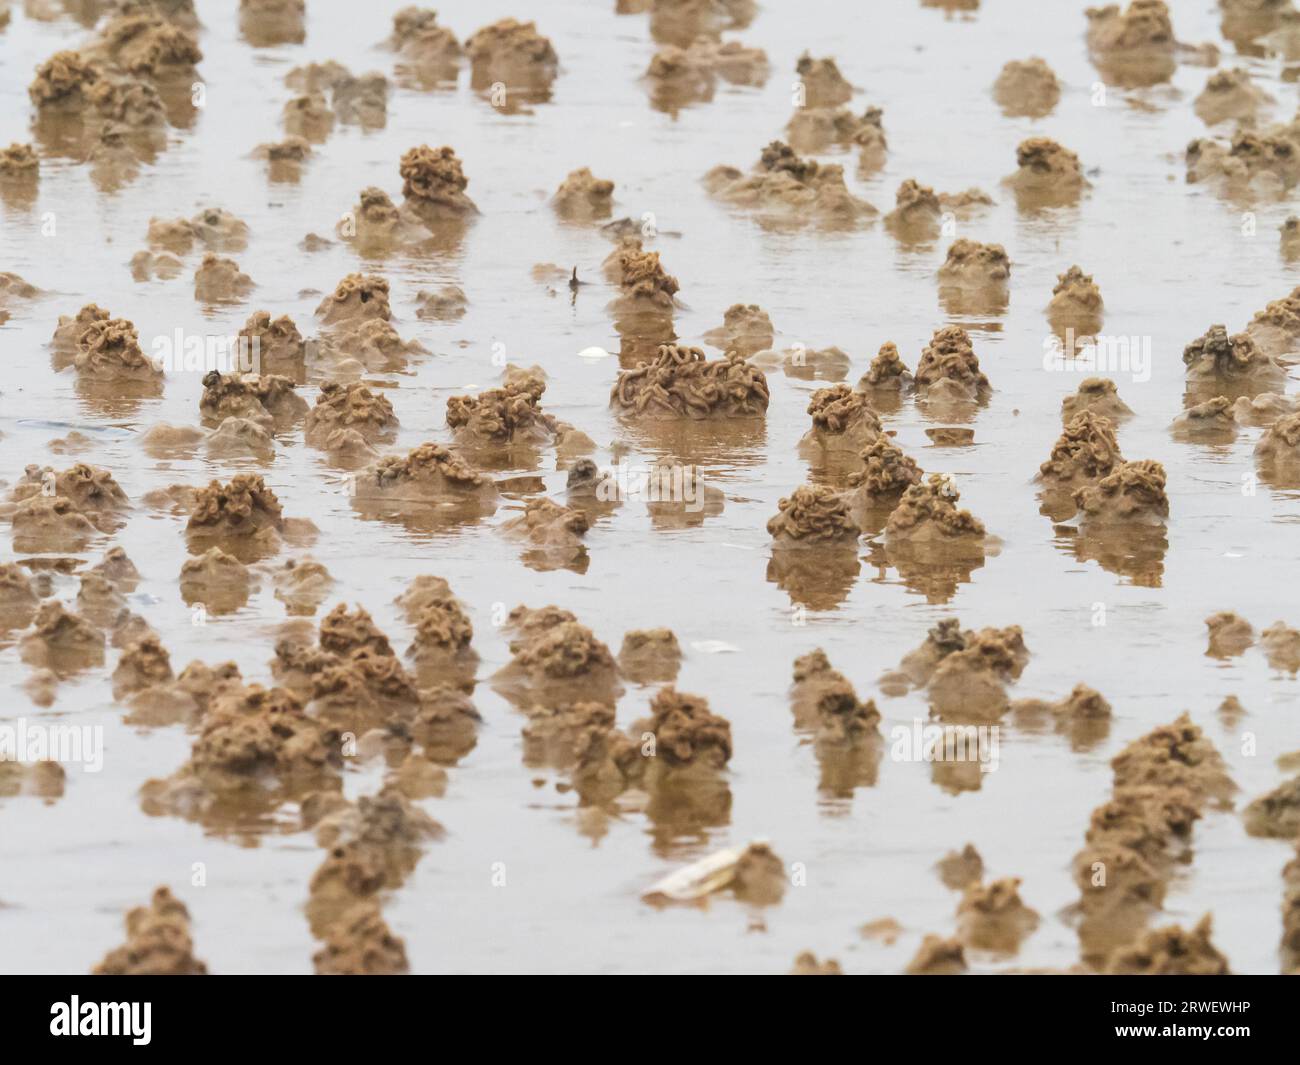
(526, 879)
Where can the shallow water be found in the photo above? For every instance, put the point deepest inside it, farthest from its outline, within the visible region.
(1170, 259)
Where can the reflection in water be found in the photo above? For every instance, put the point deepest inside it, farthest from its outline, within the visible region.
(819, 578)
(1134, 552)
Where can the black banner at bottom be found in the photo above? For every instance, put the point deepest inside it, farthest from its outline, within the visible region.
(239, 1013)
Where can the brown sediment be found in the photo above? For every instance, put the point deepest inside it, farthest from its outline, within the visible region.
(650, 656)
(447, 304)
(18, 598)
(351, 406)
(969, 684)
(256, 749)
(266, 23)
(679, 76)
(158, 942)
(372, 344)
(973, 278)
(934, 545)
(1133, 47)
(687, 734)
(243, 516)
(360, 943)
(938, 957)
(423, 591)
(507, 416)
(14, 287)
(432, 48)
(1277, 453)
(361, 100)
(316, 77)
(824, 702)
(1230, 95)
(219, 230)
(1133, 493)
(1281, 645)
(1251, 164)
(357, 298)
(551, 734)
(1276, 814)
(918, 214)
(806, 964)
(514, 54)
(19, 162)
(61, 642)
(284, 158)
(1290, 238)
(682, 75)
(145, 266)
(1084, 715)
(63, 81)
(805, 364)
(583, 197)
(1213, 420)
(823, 84)
(1291, 915)
(302, 584)
(279, 347)
(129, 103)
(556, 661)
(217, 580)
(309, 117)
(428, 474)
(843, 420)
(43, 780)
(90, 489)
(951, 436)
(1076, 303)
(172, 234)
(887, 472)
(960, 869)
(887, 372)
(1230, 365)
(98, 600)
(788, 189)
(745, 328)
(928, 514)
(373, 845)
(171, 441)
(1162, 783)
(219, 280)
(434, 183)
(1047, 174)
(645, 287)
(441, 651)
(1276, 328)
(50, 523)
(1099, 396)
(68, 332)
(1027, 88)
(1171, 951)
(552, 534)
(992, 916)
(815, 129)
(814, 515)
(144, 664)
(108, 350)
(845, 731)
(267, 399)
(1085, 452)
(682, 383)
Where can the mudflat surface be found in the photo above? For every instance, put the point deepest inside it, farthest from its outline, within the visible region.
(521, 881)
